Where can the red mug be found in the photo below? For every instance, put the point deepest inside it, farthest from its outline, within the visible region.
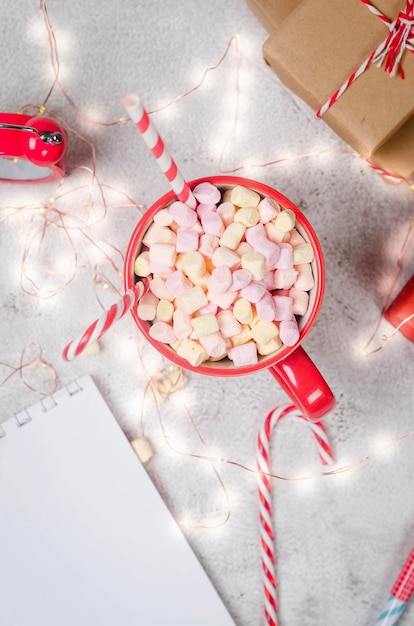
(290, 365)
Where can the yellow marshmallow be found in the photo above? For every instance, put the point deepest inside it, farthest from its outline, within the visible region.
(232, 236)
(205, 325)
(192, 300)
(194, 264)
(244, 197)
(165, 311)
(269, 347)
(192, 351)
(255, 264)
(141, 266)
(263, 332)
(242, 311)
(247, 216)
(243, 337)
(285, 220)
(303, 253)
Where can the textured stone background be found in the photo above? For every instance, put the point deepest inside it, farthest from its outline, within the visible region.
(340, 540)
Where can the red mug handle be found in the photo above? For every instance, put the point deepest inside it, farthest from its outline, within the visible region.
(301, 380)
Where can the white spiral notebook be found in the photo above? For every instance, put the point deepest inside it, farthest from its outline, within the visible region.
(86, 539)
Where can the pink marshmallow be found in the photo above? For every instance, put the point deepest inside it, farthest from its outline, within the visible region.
(285, 260)
(274, 234)
(289, 332)
(147, 307)
(182, 324)
(177, 283)
(268, 209)
(254, 291)
(209, 308)
(163, 254)
(228, 325)
(266, 308)
(156, 234)
(206, 193)
(300, 301)
(226, 210)
(202, 209)
(214, 344)
(256, 237)
(182, 214)
(223, 300)
(220, 279)
(255, 234)
(244, 248)
(269, 279)
(208, 243)
(187, 240)
(305, 280)
(240, 279)
(284, 279)
(244, 355)
(212, 224)
(163, 332)
(159, 288)
(296, 238)
(156, 268)
(283, 308)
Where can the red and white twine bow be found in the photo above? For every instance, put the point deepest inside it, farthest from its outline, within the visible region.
(265, 511)
(389, 52)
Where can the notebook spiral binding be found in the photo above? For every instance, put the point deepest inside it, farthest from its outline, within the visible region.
(47, 404)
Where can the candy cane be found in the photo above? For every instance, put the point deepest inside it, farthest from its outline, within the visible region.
(265, 510)
(98, 328)
(400, 595)
(154, 142)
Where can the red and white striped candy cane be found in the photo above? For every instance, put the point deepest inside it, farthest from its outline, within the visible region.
(98, 328)
(265, 511)
(154, 142)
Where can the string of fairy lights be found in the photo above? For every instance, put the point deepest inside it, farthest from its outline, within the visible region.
(76, 220)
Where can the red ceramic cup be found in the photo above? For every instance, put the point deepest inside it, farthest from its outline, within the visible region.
(291, 366)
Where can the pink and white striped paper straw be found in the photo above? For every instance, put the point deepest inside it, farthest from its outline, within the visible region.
(265, 511)
(145, 126)
(98, 328)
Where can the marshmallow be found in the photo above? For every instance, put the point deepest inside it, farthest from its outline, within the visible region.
(177, 283)
(162, 254)
(163, 217)
(244, 336)
(244, 355)
(182, 214)
(165, 310)
(161, 331)
(247, 216)
(147, 307)
(305, 280)
(209, 308)
(228, 324)
(283, 308)
(239, 279)
(289, 332)
(223, 300)
(224, 256)
(226, 210)
(214, 345)
(244, 248)
(212, 224)
(208, 243)
(274, 234)
(159, 288)
(296, 238)
(300, 301)
(158, 234)
(205, 325)
(265, 308)
(303, 253)
(254, 291)
(220, 279)
(264, 349)
(192, 300)
(192, 352)
(242, 311)
(263, 332)
(285, 220)
(206, 193)
(244, 197)
(202, 209)
(254, 263)
(268, 210)
(160, 270)
(232, 236)
(193, 264)
(285, 260)
(141, 266)
(182, 324)
(284, 279)
(187, 240)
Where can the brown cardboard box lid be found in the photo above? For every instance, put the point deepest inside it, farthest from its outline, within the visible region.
(318, 47)
(271, 13)
(397, 154)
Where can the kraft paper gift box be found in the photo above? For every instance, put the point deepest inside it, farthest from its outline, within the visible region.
(271, 13)
(316, 49)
